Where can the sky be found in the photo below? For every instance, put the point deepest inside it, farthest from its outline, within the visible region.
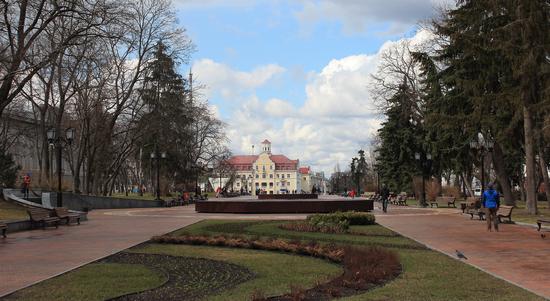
(296, 72)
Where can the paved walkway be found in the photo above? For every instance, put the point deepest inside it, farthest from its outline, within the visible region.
(32, 256)
(517, 253)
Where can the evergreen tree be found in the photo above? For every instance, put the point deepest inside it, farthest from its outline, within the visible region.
(166, 126)
(398, 143)
(8, 169)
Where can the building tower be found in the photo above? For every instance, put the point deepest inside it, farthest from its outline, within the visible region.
(266, 147)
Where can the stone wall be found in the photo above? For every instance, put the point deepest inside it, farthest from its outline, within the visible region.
(89, 202)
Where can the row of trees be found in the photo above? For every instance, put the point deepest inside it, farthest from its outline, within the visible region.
(108, 69)
(484, 74)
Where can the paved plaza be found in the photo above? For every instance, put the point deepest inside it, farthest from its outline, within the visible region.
(516, 254)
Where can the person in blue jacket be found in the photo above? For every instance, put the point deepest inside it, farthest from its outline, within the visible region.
(491, 201)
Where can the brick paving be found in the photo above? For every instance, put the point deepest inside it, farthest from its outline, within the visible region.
(517, 254)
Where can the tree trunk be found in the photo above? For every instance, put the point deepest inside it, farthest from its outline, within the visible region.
(530, 196)
(468, 183)
(502, 176)
(545, 178)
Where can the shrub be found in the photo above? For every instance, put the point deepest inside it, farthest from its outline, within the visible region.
(307, 227)
(348, 217)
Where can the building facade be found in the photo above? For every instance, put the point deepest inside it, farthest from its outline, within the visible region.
(310, 179)
(265, 173)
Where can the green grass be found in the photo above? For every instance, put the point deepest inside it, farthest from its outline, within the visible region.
(427, 275)
(9, 211)
(520, 213)
(276, 272)
(270, 228)
(97, 281)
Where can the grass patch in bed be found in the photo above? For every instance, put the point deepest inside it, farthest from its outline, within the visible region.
(96, 281)
(275, 272)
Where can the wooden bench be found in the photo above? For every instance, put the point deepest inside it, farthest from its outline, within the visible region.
(505, 211)
(542, 221)
(42, 217)
(63, 214)
(4, 228)
(443, 200)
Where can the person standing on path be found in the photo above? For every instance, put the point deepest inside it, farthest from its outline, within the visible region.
(385, 194)
(26, 185)
(491, 202)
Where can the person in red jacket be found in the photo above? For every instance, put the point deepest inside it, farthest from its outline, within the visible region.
(26, 185)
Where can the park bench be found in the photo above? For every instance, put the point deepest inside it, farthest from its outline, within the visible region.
(542, 221)
(4, 228)
(443, 200)
(42, 217)
(402, 199)
(506, 212)
(63, 214)
(473, 207)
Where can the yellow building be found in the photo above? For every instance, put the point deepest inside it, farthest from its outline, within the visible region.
(267, 173)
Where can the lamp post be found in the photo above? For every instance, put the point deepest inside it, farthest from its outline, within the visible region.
(55, 138)
(355, 166)
(425, 161)
(157, 156)
(483, 145)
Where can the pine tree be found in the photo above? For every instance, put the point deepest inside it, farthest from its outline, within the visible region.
(398, 142)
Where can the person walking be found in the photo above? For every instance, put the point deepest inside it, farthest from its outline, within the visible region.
(491, 203)
(385, 194)
(26, 185)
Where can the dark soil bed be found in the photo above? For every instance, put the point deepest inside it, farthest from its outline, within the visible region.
(188, 278)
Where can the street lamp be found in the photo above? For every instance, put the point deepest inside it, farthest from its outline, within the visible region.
(483, 145)
(59, 141)
(157, 156)
(356, 173)
(425, 161)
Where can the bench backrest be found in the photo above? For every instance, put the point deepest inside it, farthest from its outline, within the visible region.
(37, 213)
(445, 198)
(61, 211)
(505, 210)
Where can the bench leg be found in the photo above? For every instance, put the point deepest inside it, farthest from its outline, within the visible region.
(4, 233)
(540, 225)
(78, 220)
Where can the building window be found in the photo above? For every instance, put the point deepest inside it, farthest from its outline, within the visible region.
(288, 176)
(288, 183)
(257, 184)
(256, 167)
(263, 168)
(257, 176)
(277, 176)
(263, 176)
(283, 176)
(271, 176)
(271, 184)
(264, 184)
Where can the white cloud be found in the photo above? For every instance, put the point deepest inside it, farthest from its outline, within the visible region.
(337, 118)
(229, 83)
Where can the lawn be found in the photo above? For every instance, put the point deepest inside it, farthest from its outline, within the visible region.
(520, 213)
(428, 275)
(96, 281)
(9, 211)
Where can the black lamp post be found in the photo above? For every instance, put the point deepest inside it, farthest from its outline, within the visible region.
(55, 138)
(483, 145)
(157, 156)
(425, 161)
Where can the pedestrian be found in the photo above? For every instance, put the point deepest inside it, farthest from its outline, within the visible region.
(26, 185)
(491, 203)
(385, 194)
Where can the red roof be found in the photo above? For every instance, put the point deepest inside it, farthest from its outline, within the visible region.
(282, 159)
(303, 170)
(242, 159)
(266, 141)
